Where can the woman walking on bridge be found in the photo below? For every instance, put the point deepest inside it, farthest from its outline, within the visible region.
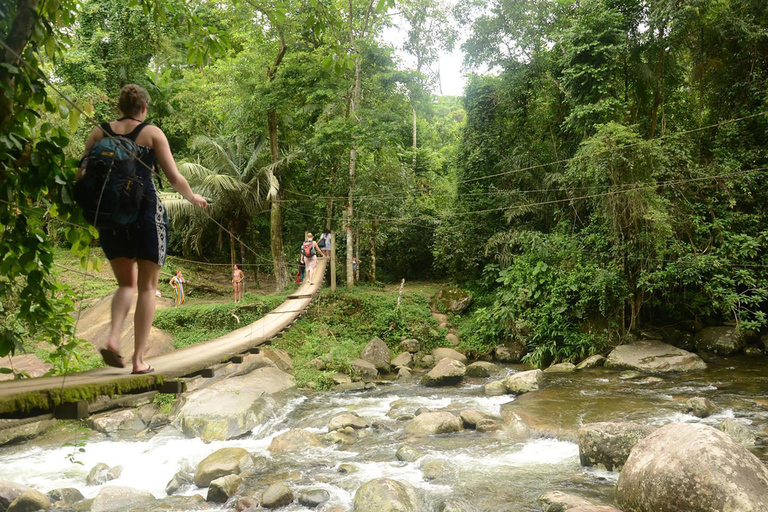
(137, 252)
(310, 251)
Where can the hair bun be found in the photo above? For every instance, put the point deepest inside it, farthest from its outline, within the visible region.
(132, 99)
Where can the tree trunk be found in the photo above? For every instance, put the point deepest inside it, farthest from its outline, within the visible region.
(356, 94)
(232, 243)
(374, 232)
(414, 138)
(278, 253)
(18, 37)
(659, 82)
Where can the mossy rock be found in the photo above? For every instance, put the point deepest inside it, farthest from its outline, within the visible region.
(451, 299)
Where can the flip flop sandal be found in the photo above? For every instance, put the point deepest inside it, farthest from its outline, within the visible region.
(112, 359)
(148, 369)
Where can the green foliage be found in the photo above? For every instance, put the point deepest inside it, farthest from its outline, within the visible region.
(338, 326)
(194, 324)
(553, 298)
(165, 402)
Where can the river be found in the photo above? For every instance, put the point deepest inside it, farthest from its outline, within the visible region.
(491, 469)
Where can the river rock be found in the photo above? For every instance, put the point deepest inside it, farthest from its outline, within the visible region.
(408, 453)
(347, 419)
(65, 496)
(431, 423)
(591, 362)
(739, 433)
(246, 503)
(694, 468)
(364, 370)
(437, 468)
(471, 418)
(110, 423)
(482, 369)
(447, 372)
(118, 499)
(223, 462)
(653, 356)
(700, 407)
(179, 481)
(234, 406)
(609, 444)
(557, 501)
(723, 340)
(452, 300)
(753, 351)
(276, 495)
(510, 352)
(456, 505)
(410, 345)
(594, 508)
(9, 491)
(97, 475)
(377, 353)
(114, 473)
(279, 357)
(293, 440)
(404, 373)
(443, 352)
(385, 495)
(403, 359)
(30, 501)
(495, 388)
(314, 497)
(523, 382)
(347, 469)
(178, 503)
(223, 488)
(561, 368)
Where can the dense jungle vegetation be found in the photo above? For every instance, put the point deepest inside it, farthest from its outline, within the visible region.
(603, 171)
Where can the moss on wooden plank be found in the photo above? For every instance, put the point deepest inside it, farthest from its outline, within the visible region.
(48, 399)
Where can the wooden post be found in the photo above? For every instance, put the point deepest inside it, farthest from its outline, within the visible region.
(333, 261)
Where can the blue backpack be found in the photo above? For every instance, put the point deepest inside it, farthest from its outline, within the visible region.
(111, 187)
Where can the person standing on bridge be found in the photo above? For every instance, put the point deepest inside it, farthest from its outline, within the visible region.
(237, 281)
(137, 252)
(310, 251)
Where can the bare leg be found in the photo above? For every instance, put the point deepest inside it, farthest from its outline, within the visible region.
(149, 272)
(125, 272)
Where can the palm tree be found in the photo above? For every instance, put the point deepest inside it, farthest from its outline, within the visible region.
(228, 174)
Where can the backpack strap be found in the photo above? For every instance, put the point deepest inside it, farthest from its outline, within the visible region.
(135, 133)
(107, 129)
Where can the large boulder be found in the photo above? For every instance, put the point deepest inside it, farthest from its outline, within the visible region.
(65, 496)
(9, 491)
(482, 369)
(739, 433)
(557, 501)
(97, 475)
(30, 501)
(653, 356)
(377, 353)
(119, 499)
(561, 368)
(403, 359)
(720, 340)
(523, 382)
(431, 423)
(293, 440)
(111, 422)
(347, 419)
(510, 352)
(279, 357)
(692, 467)
(700, 407)
(223, 462)
(364, 370)
(591, 362)
(385, 495)
(609, 444)
(447, 372)
(312, 498)
(443, 352)
(276, 495)
(452, 300)
(223, 488)
(233, 406)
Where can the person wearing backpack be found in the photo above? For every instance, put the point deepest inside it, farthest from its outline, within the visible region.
(136, 251)
(310, 251)
(325, 243)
